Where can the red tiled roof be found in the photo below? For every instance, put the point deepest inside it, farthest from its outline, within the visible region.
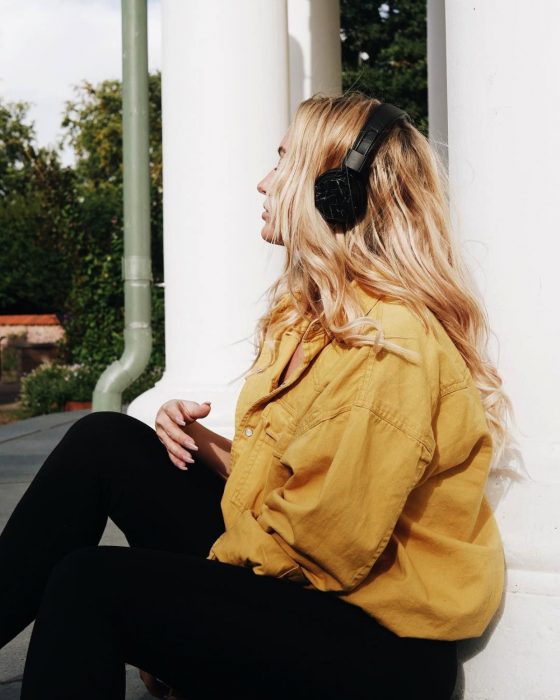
(29, 320)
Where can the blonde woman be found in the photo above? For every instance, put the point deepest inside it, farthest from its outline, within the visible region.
(342, 543)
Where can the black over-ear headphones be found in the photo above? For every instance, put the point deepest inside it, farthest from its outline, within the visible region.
(341, 194)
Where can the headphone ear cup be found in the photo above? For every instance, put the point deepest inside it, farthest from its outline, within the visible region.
(340, 196)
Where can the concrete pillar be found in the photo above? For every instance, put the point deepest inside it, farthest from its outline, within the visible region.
(437, 78)
(315, 51)
(504, 150)
(226, 70)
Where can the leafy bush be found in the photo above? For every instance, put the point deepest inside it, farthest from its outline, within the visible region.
(47, 388)
(80, 382)
(144, 382)
(44, 390)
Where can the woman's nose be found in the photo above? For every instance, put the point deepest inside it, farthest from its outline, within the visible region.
(261, 187)
(264, 185)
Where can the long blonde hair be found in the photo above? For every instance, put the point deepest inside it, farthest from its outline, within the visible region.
(402, 250)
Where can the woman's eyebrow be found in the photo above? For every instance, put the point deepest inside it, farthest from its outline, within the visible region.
(281, 150)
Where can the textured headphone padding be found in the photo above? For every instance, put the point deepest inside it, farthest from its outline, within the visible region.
(341, 196)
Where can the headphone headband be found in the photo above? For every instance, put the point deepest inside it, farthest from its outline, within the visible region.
(380, 121)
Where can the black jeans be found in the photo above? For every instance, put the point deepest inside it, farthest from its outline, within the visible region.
(204, 627)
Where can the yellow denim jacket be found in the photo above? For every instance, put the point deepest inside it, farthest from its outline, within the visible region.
(364, 474)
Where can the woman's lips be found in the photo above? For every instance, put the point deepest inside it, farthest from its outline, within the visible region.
(265, 215)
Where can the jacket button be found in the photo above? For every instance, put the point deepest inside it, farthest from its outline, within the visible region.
(248, 431)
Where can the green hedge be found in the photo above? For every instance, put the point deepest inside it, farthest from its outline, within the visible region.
(47, 388)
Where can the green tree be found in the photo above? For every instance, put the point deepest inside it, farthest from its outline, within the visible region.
(393, 34)
(94, 319)
(36, 195)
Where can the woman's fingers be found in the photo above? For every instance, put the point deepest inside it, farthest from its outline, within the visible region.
(173, 410)
(183, 412)
(177, 435)
(170, 410)
(154, 686)
(167, 422)
(175, 441)
(170, 419)
(192, 410)
(173, 448)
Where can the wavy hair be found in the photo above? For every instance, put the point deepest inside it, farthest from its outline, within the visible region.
(402, 250)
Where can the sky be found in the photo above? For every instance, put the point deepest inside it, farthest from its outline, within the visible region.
(48, 46)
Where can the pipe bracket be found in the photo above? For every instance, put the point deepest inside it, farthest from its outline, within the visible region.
(137, 267)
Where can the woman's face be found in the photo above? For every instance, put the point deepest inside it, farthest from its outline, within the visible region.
(264, 187)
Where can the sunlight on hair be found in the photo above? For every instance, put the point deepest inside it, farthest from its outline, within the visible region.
(403, 250)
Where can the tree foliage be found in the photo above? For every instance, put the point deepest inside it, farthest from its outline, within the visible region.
(94, 319)
(393, 34)
(36, 195)
(61, 228)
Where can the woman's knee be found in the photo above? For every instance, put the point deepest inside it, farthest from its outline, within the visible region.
(110, 429)
(111, 444)
(78, 574)
(89, 583)
(105, 421)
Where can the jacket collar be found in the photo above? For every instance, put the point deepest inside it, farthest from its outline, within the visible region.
(312, 344)
(265, 385)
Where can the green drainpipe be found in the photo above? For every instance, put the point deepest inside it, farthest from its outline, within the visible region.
(136, 263)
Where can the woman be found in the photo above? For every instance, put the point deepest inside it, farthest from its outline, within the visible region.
(342, 543)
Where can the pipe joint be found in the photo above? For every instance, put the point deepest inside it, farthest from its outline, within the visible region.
(137, 267)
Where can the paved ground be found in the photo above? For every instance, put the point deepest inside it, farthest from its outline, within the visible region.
(23, 448)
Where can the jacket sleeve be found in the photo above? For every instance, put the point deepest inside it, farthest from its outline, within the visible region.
(350, 475)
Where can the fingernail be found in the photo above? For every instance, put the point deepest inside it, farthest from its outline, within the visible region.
(208, 402)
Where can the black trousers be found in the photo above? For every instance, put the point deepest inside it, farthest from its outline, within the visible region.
(204, 627)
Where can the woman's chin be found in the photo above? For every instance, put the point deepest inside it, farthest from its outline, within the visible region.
(268, 235)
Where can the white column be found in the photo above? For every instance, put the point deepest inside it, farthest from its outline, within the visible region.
(315, 51)
(225, 103)
(437, 77)
(226, 70)
(504, 147)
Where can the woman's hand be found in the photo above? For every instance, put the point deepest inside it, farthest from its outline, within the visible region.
(171, 418)
(157, 688)
(154, 686)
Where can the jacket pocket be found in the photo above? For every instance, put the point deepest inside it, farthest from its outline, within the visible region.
(278, 427)
(250, 474)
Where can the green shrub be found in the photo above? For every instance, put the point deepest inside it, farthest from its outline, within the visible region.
(144, 382)
(47, 388)
(44, 390)
(80, 382)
